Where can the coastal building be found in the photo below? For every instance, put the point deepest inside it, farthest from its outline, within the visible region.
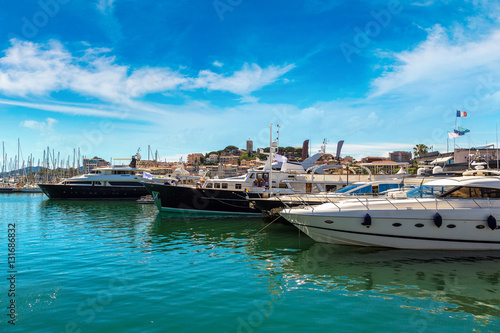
(251, 163)
(92, 163)
(400, 156)
(213, 158)
(371, 159)
(348, 159)
(194, 158)
(249, 147)
(228, 170)
(228, 159)
(464, 155)
(426, 158)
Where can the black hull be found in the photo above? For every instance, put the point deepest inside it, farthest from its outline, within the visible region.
(56, 191)
(189, 200)
(270, 208)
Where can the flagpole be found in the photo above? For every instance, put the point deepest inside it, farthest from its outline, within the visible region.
(456, 116)
(496, 125)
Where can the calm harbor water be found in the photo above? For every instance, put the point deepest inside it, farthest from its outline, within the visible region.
(122, 267)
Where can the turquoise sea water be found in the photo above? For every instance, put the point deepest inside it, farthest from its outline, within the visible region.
(122, 267)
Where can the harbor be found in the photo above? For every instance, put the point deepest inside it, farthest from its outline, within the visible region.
(205, 246)
(227, 275)
(236, 166)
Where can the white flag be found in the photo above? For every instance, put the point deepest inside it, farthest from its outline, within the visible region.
(147, 175)
(453, 135)
(280, 158)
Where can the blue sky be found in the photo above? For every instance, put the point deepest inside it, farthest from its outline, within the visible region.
(110, 76)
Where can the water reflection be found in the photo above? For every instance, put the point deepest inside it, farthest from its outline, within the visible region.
(467, 282)
(460, 282)
(128, 222)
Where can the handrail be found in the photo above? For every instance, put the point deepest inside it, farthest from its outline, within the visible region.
(444, 199)
(363, 203)
(393, 205)
(284, 203)
(416, 199)
(476, 203)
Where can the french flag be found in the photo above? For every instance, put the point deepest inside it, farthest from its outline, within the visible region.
(461, 114)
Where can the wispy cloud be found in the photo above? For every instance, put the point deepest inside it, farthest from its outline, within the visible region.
(31, 69)
(39, 126)
(105, 6)
(440, 60)
(243, 82)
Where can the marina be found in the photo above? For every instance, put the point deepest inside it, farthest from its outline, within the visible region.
(228, 275)
(235, 166)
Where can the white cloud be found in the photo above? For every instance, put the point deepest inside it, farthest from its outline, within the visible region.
(105, 6)
(217, 64)
(440, 61)
(243, 82)
(31, 69)
(42, 126)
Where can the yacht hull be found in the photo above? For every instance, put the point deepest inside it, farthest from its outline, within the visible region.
(190, 200)
(461, 229)
(78, 192)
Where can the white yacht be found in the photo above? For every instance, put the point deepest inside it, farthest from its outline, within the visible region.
(115, 182)
(457, 213)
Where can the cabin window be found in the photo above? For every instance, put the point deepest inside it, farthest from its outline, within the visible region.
(79, 183)
(473, 192)
(216, 185)
(330, 188)
(237, 186)
(209, 185)
(125, 184)
(490, 193)
(224, 185)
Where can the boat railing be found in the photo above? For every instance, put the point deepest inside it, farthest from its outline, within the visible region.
(426, 205)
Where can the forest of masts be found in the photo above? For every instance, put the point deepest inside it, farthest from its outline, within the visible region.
(52, 167)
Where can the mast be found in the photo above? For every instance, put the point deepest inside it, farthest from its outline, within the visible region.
(3, 162)
(271, 158)
(18, 156)
(456, 114)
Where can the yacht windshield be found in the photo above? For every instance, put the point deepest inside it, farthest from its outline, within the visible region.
(428, 191)
(348, 188)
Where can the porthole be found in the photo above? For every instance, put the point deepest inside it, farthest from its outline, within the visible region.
(419, 225)
(328, 221)
(480, 226)
(451, 226)
(397, 224)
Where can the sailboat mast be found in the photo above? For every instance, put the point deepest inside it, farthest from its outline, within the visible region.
(271, 157)
(496, 125)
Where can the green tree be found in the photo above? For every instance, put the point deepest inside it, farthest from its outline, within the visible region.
(420, 149)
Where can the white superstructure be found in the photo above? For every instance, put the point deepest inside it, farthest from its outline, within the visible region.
(450, 213)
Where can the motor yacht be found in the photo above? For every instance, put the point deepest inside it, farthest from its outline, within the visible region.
(458, 213)
(115, 183)
(229, 195)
